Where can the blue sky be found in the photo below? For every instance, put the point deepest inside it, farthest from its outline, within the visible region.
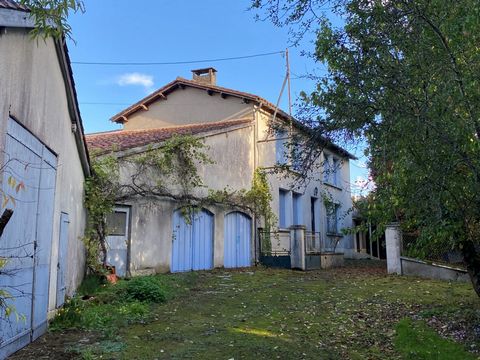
(170, 31)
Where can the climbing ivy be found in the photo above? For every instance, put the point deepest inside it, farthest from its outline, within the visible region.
(100, 193)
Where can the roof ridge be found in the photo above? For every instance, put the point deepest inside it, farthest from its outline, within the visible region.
(184, 126)
(181, 80)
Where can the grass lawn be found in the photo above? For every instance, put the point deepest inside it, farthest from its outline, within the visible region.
(357, 312)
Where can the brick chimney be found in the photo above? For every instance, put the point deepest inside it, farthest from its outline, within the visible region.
(205, 76)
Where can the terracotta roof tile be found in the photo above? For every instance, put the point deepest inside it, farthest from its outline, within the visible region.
(127, 139)
(12, 5)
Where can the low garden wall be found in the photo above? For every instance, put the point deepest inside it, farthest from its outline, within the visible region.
(415, 267)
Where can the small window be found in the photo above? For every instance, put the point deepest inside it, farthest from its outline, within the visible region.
(117, 223)
(283, 209)
(326, 168)
(335, 172)
(281, 147)
(297, 209)
(297, 157)
(332, 218)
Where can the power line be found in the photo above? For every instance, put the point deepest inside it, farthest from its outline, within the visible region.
(176, 62)
(102, 103)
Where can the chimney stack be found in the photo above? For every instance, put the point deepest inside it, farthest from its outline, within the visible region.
(205, 76)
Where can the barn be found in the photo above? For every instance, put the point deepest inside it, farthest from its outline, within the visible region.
(44, 162)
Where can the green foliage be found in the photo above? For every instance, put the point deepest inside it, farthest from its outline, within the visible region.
(51, 16)
(415, 340)
(260, 198)
(100, 195)
(146, 289)
(91, 284)
(403, 77)
(173, 166)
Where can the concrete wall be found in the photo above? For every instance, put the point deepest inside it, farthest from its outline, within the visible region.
(32, 90)
(189, 106)
(414, 267)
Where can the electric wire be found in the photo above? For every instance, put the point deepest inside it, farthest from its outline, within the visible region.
(176, 62)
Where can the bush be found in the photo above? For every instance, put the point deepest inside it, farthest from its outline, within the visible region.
(91, 284)
(146, 288)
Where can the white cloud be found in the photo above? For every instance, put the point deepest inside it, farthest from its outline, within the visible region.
(136, 79)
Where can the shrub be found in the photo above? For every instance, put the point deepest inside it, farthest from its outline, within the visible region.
(146, 288)
(91, 284)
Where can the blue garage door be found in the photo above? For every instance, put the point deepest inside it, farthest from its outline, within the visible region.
(237, 240)
(192, 241)
(26, 241)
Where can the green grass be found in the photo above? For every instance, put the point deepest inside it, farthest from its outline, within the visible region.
(290, 315)
(416, 341)
(104, 307)
(356, 312)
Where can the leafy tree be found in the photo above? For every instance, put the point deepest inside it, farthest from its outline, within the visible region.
(403, 76)
(51, 16)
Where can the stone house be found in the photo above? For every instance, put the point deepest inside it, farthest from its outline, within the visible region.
(44, 162)
(236, 127)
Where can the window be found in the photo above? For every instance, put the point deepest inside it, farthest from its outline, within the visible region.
(297, 209)
(332, 218)
(283, 209)
(335, 172)
(281, 147)
(331, 170)
(326, 168)
(297, 158)
(117, 223)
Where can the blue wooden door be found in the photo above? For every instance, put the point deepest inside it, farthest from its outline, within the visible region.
(62, 259)
(237, 240)
(192, 241)
(27, 238)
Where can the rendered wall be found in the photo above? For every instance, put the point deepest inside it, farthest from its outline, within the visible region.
(32, 90)
(189, 106)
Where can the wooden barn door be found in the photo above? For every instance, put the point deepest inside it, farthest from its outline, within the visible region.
(192, 241)
(26, 241)
(237, 240)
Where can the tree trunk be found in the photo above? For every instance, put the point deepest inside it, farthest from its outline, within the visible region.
(471, 256)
